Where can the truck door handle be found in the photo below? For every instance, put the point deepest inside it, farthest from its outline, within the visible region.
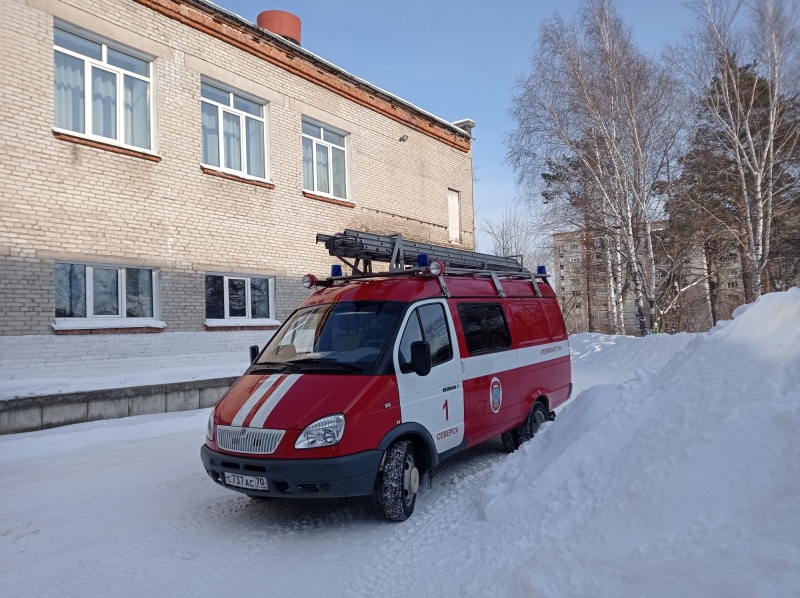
(449, 388)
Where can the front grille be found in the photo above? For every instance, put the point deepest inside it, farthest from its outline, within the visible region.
(252, 441)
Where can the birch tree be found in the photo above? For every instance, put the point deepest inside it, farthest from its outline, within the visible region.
(741, 64)
(593, 96)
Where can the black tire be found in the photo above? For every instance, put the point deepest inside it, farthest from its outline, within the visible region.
(400, 481)
(510, 440)
(513, 439)
(532, 423)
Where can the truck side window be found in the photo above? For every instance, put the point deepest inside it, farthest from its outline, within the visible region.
(429, 324)
(485, 327)
(434, 327)
(412, 333)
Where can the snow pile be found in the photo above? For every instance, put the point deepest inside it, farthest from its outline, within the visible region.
(35, 365)
(677, 475)
(682, 481)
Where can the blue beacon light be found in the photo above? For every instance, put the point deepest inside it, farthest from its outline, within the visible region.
(422, 260)
(336, 270)
(541, 271)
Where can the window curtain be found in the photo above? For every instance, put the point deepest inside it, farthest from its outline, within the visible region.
(232, 137)
(255, 148)
(69, 93)
(137, 112)
(339, 176)
(104, 103)
(210, 120)
(322, 169)
(308, 163)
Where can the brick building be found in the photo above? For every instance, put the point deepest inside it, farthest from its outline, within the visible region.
(165, 166)
(683, 292)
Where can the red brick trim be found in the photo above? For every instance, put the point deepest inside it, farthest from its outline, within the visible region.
(233, 177)
(143, 330)
(105, 146)
(217, 24)
(223, 328)
(338, 202)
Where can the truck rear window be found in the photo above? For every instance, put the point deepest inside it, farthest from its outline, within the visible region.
(485, 327)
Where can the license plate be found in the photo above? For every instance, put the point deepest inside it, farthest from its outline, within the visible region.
(246, 481)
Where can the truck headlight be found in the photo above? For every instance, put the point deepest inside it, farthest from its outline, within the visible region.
(210, 426)
(323, 432)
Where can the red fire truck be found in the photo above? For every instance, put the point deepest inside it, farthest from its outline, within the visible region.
(378, 376)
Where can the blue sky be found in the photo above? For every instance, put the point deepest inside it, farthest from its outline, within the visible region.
(455, 59)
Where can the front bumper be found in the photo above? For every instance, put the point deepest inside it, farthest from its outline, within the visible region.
(351, 475)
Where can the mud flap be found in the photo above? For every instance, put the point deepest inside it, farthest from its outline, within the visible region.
(551, 416)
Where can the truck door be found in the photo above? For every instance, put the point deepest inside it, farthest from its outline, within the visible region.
(435, 401)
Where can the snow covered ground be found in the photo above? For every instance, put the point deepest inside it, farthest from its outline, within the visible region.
(675, 471)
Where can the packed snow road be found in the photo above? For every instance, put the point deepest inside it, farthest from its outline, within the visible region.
(125, 508)
(676, 471)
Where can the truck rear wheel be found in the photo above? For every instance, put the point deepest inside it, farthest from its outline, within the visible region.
(527, 430)
(532, 423)
(400, 482)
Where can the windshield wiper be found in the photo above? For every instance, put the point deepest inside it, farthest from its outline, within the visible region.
(271, 366)
(326, 362)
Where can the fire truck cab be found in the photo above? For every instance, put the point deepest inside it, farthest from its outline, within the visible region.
(378, 376)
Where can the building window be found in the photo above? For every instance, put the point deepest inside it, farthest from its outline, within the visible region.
(101, 91)
(104, 292)
(574, 247)
(575, 281)
(238, 297)
(234, 132)
(575, 259)
(454, 216)
(324, 160)
(732, 285)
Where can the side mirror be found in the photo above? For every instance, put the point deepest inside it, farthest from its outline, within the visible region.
(253, 353)
(421, 358)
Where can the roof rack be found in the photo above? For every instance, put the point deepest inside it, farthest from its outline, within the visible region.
(402, 257)
(401, 254)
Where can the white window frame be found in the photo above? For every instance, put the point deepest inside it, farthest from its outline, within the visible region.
(242, 115)
(246, 320)
(120, 319)
(317, 142)
(119, 73)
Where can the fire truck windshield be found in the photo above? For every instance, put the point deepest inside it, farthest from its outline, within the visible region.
(347, 337)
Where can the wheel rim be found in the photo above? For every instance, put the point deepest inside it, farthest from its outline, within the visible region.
(410, 480)
(538, 420)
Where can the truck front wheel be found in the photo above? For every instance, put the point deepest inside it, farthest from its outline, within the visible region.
(400, 481)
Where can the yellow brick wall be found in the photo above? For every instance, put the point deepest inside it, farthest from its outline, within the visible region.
(60, 200)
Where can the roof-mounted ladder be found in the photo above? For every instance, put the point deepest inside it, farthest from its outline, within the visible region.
(365, 248)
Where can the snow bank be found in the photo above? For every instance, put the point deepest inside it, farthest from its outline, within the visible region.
(682, 481)
(37, 365)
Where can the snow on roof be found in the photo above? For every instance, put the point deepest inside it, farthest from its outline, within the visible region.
(314, 57)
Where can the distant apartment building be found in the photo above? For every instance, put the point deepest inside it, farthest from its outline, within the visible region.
(684, 290)
(166, 166)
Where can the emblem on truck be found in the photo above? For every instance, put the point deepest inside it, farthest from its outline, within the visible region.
(495, 395)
